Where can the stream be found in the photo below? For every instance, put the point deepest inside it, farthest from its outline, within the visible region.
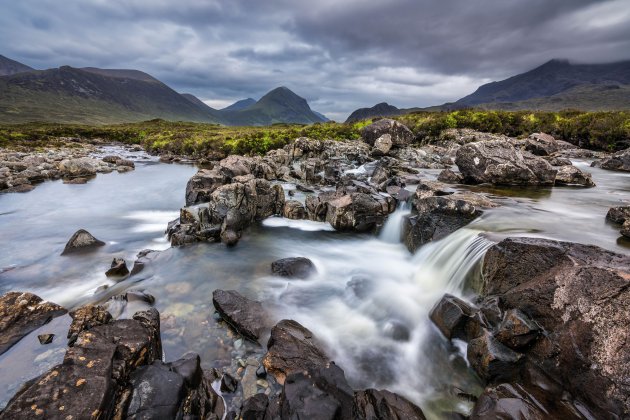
(368, 304)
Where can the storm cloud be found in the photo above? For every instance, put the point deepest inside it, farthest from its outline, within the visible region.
(338, 55)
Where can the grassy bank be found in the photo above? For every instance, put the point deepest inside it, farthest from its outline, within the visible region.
(596, 130)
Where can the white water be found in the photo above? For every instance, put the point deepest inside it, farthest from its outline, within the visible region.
(392, 230)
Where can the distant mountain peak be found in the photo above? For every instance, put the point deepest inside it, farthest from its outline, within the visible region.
(239, 105)
(382, 109)
(9, 67)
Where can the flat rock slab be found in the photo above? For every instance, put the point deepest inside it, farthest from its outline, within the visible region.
(246, 316)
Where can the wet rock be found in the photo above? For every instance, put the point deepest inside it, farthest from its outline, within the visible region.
(230, 237)
(228, 383)
(202, 184)
(254, 408)
(86, 318)
(82, 240)
(158, 392)
(456, 318)
(570, 175)
(294, 210)
(261, 372)
(399, 133)
(580, 296)
(248, 382)
(246, 316)
(499, 162)
(383, 144)
(360, 286)
(22, 313)
(625, 229)
(492, 360)
(76, 181)
(142, 259)
(358, 212)
(433, 218)
(290, 349)
(118, 268)
(45, 338)
(372, 404)
(294, 267)
(619, 161)
(93, 372)
(618, 214)
(450, 177)
(516, 330)
(396, 330)
(541, 144)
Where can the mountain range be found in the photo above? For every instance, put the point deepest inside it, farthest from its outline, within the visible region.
(101, 96)
(553, 86)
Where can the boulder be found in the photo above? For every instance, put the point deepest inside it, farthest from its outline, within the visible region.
(294, 267)
(625, 229)
(79, 167)
(85, 318)
(358, 212)
(254, 408)
(457, 319)
(202, 184)
(399, 133)
(499, 162)
(516, 330)
(579, 295)
(450, 177)
(382, 145)
(294, 210)
(22, 313)
(291, 349)
(81, 240)
(246, 316)
(372, 404)
(619, 161)
(618, 214)
(492, 360)
(157, 392)
(570, 175)
(118, 268)
(541, 144)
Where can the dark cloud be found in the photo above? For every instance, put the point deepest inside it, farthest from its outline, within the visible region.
(339, 55)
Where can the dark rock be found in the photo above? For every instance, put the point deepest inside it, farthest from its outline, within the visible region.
(618, 214)
(87, 317)
(433, 218)
(80, 241)
(541, 144)
(516, 330)
(261, 372)
(294, 210)
(228, 383)
(246, 316)
(118, 268)
(499, 162)
(22, 313)
(357, 212)
(456, 319)
(254, 408)
(157, 392)
(399, 133)
(570, 175)
(292, 348)
(493, 361)
(294, 267)
(230, 237)
(142, 259)
(580, 297)
(396, 330)
(625, 229)
(202, 185)
(372, 404)
(450, 177)
(619, 161)
(45, 338)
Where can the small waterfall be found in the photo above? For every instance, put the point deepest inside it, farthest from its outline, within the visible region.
(392, 229)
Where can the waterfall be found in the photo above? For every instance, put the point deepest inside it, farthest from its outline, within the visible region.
(392, 229)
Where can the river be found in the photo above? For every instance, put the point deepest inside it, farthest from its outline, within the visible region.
(368, 303)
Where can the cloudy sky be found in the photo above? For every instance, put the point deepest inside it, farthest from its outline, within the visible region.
(338, 54)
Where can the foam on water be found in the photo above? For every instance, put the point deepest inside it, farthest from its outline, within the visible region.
(305, 225)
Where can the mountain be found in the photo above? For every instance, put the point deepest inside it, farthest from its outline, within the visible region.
(556, 85)
(239, 105)
(280, 105)
(379, 110)
(9, 67)
(95, 96)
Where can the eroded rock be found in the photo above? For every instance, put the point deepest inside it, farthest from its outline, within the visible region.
(246, 316)
(81, 240)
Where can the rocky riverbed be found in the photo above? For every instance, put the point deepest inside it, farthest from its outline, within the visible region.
(276, 300)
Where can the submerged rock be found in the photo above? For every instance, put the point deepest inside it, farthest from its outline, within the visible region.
(22, 313)
(246, 316)
(81, 240)
(294, 267)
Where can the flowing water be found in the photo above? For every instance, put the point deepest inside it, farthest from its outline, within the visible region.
(368, 303)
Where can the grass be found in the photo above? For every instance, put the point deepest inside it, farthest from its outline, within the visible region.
(594, 130)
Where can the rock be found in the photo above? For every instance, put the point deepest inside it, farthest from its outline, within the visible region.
(625, 229)
(87, 317)
(157, 392)
(557, 160)
(433, 218)
(493, 361)
(396, 330)
(142, 259)
(372, 404)
(383, 144)
(228, 383)
(76, 181)
(618, 214)
(290, 349)
(45, 338)
(619, 161)
(202, 184)
(80, 167)
(294, 210)
(357, 211)
(22, 313)
(94, 372)
(230, 237)
(118, 268)
(450, 177)
(295, 267)
(82, 240)
(541, 144)
(125, 163)
(246, 316)
(399, 133)
(570, 175)
(580, 296)
(499, 162)
(456, 319)
(254, 408)
(516, 330)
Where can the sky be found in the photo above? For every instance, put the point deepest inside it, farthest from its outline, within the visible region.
(338, 54)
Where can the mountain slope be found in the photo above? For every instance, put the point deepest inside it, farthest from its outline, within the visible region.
(9, 67)
(239, 105)
(560, 82)
(379, 110)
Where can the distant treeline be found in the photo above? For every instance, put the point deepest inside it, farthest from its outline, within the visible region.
(593, 130)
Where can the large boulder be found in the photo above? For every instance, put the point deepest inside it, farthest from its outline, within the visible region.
(570, 175)
(202, 184)
(499, 162)
(618, 214)
(22, 313)
(541, 144)
(619, 161)
(293, 267)
(246, 316)
(79, 167)
(579, 295)
(399, 133)
(357, 211)
(81, 240)
(372, 404)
